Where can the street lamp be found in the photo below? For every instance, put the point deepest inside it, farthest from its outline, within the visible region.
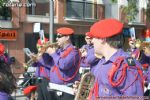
(51, 20)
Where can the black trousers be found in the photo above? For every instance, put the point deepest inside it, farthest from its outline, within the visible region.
(43, 93)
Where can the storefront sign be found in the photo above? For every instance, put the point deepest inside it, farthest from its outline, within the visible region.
(8, 35)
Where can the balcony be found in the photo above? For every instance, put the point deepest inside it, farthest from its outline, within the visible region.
(5, 24)
(39, 18)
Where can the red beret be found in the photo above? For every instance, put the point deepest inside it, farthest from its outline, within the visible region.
(106, 28)
(88, 34)
(2, 48)
(147, 33)
(29, 89)
(39, 42)
(145, 65)
(65, 31)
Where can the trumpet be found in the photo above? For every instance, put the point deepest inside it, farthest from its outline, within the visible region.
(138, 43)
(47, 45)
(98, 55)
(35, 57)
(86, 84)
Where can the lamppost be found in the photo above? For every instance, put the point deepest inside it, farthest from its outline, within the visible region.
(51, 20)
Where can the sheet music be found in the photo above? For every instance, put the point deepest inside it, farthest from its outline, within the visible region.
(62, 88)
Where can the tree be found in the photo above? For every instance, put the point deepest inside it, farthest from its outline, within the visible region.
(131, 10)
(5, 11)
(2, 2)
(114, 1)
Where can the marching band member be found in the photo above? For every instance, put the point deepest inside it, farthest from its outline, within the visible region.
(117, 73)
(43, 66)
(42, 72)
(133, 50)
(67, 63)
(145, 61)
(41, 69)
(88, 58)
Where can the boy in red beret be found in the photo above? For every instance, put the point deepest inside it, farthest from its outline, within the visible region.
(117, 74)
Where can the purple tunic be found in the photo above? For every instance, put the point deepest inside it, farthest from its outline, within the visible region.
(134, 53)
(125, 88)
(146, 74)
(145, 60)
(66, 67)
(89, 60)
(43, 66)
(3, 96)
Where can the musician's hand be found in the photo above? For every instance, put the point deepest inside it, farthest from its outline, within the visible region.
(75, 87)
(34, 57)
(50, 50)
(43, 49)
(83, 52)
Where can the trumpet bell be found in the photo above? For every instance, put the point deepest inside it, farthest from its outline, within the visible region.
(138, 43)
(98, 55)
(86, 84)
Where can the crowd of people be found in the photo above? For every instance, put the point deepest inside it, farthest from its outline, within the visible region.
(116, 72)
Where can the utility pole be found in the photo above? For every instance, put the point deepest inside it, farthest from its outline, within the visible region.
(51, 20)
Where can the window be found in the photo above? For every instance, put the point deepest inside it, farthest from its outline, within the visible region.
(5, 13)
(81, 9)
(38, 8)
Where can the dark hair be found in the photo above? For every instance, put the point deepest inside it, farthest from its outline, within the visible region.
(71, 38)
(116, 41)
(7, 79)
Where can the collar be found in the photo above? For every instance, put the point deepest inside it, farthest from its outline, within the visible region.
(114, 56)
(69, 45)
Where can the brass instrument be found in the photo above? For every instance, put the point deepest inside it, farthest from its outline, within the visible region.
(31, 61)
(47, 45)
(98, 56)
(138, 43)
(35, 57)
(87, 82)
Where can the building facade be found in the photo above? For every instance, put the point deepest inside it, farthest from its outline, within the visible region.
(76, 14)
